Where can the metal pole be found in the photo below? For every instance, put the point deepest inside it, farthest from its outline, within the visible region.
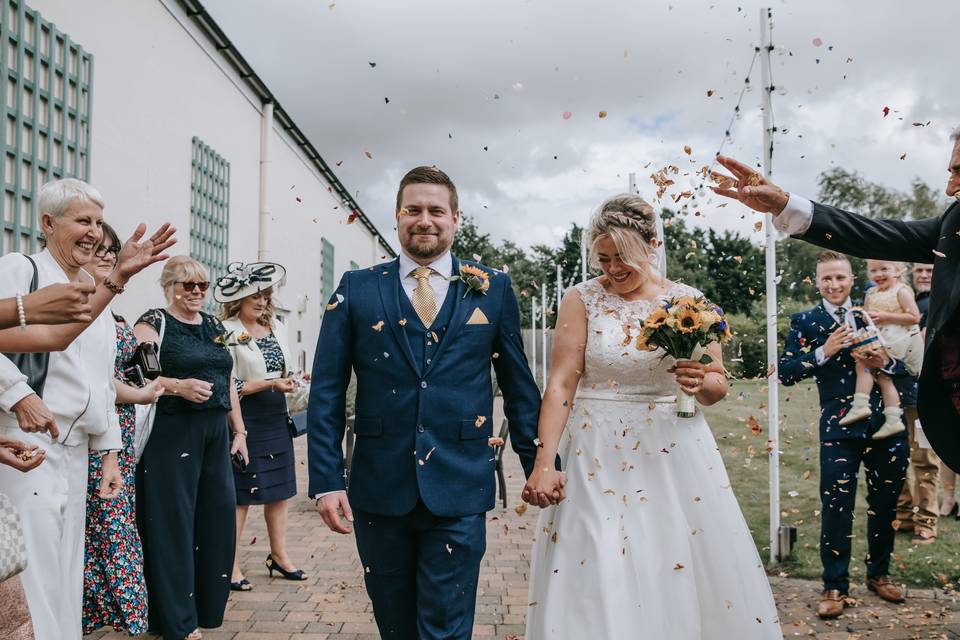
(543, 333)
(632, 187)
(559, 287)
(533, 337)
(773, 400)
(583, 255)
(266, 130)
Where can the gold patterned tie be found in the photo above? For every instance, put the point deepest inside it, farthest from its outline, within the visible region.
(424, 297)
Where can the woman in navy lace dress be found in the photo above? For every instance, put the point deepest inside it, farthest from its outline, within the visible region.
(258, 344)
(185, 490)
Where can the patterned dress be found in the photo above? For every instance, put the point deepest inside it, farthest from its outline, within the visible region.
(114, 590)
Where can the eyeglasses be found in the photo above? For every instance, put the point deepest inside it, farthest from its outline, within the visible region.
(103, 251)
(190, 286)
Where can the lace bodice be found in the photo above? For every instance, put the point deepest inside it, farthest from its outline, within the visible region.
(612, 364)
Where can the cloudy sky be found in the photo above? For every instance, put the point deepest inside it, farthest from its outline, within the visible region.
(506, 95)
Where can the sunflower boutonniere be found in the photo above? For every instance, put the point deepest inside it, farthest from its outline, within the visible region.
(476, 279)
(244, 338)
(224, 338)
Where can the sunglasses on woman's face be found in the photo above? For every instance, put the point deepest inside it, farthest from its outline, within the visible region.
(190, 286)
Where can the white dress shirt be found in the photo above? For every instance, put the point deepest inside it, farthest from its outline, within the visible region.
(796, 217)
(832, 310)
(442, 269)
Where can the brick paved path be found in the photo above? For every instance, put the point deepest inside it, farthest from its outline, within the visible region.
(332, 604)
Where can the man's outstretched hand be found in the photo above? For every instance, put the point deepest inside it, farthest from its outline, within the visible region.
(331, 506)
(751, 188)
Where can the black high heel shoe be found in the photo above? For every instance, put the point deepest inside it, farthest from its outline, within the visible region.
(273, 565)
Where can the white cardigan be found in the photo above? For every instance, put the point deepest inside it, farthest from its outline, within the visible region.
(248, 362)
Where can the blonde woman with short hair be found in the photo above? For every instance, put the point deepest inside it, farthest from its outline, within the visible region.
(185, 490)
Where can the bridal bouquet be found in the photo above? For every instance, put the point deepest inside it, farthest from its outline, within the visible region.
(683, 327)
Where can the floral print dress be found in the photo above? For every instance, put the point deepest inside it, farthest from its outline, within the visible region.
(114, 590)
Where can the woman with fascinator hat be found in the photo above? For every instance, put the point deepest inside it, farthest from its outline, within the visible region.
(258, 343)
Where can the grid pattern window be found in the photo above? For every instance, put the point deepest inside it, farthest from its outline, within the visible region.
(326, 270)
(209, 210)
(45, 95)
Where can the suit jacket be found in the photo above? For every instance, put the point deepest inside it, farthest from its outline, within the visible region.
(836, 377)
(422, 430)
(929, 240)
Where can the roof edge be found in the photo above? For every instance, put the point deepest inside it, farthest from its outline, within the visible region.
(205, 22)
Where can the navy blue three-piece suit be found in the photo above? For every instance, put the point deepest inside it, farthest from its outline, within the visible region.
(844, 448)
(422, 474)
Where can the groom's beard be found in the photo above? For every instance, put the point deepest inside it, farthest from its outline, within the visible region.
(426, 250)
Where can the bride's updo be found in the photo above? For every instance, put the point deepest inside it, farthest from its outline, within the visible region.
(631, 223)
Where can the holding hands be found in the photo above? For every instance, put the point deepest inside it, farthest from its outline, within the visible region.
(545, 486)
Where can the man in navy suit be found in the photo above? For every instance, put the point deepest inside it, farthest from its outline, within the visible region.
(818, 345)
(420, 332)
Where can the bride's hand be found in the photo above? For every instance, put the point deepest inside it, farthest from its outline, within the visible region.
(690, 375)
(544, 488)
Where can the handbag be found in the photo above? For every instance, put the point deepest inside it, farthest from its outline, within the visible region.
(13, 550)
(147, 412)
(297, 429)
(144, 364)
(32, 365)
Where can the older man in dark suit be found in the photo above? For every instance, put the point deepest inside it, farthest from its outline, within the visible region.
(938, 402)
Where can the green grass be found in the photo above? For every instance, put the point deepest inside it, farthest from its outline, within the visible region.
(745, 456)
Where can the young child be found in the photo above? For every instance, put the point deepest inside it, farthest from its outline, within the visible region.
(892, 307)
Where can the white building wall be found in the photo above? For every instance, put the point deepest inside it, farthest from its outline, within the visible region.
(157, 82)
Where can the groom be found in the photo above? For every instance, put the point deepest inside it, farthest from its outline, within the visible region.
(420, 332)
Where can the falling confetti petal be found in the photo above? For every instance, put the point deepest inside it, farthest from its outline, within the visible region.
(567, 115)
(603, 114)
(817, 42)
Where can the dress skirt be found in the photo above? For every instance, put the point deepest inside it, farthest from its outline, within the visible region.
(270, 475)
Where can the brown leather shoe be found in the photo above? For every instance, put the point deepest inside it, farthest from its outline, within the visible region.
(888, 591)
(831, 604)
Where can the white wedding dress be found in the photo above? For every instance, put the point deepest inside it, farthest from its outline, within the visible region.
(650, 542)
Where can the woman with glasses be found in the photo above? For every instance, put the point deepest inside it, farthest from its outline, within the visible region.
(185, 490)
(262, 362)
(114, 592)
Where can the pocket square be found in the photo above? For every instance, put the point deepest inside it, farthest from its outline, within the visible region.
(478, 317)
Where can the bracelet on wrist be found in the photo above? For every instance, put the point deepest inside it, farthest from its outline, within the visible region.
(21, 314)
(240, 433)
(112, 286)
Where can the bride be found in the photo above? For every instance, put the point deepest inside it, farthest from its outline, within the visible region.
(641, 535)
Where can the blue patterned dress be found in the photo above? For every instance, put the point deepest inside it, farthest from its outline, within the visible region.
(114, 590)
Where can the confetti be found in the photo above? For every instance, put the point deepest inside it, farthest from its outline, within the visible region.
(710, 93)
(479, 421)
(378, 326)
(368, 154)
(687, 150)
(521, 508)
(754, 425)
(602, 114)
(817, 42)
(334, 305)
(567, 115)
(353, 216)
(886, 111)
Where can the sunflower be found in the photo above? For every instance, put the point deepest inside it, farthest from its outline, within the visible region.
(709, 318)
(475, 278)
(685, 301)
(642, 343)
(689, 320)
(657, 318)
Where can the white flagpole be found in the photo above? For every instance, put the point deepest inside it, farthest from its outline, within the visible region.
(773, 400)
(559, 287)
(583, 255)
(533, 337)
(543, 332)
(632, 187)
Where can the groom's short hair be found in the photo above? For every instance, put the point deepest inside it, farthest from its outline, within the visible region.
(831, 256)
(429, 175)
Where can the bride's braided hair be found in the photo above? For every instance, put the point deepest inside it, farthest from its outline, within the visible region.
(630, 222)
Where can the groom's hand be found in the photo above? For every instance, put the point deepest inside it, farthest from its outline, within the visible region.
(751, 188)
(330, 508)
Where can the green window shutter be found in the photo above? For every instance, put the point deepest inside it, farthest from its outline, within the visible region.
(327, 286)
(209, 211)
(45, 98)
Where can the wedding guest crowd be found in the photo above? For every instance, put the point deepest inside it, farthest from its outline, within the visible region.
(110, 540)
